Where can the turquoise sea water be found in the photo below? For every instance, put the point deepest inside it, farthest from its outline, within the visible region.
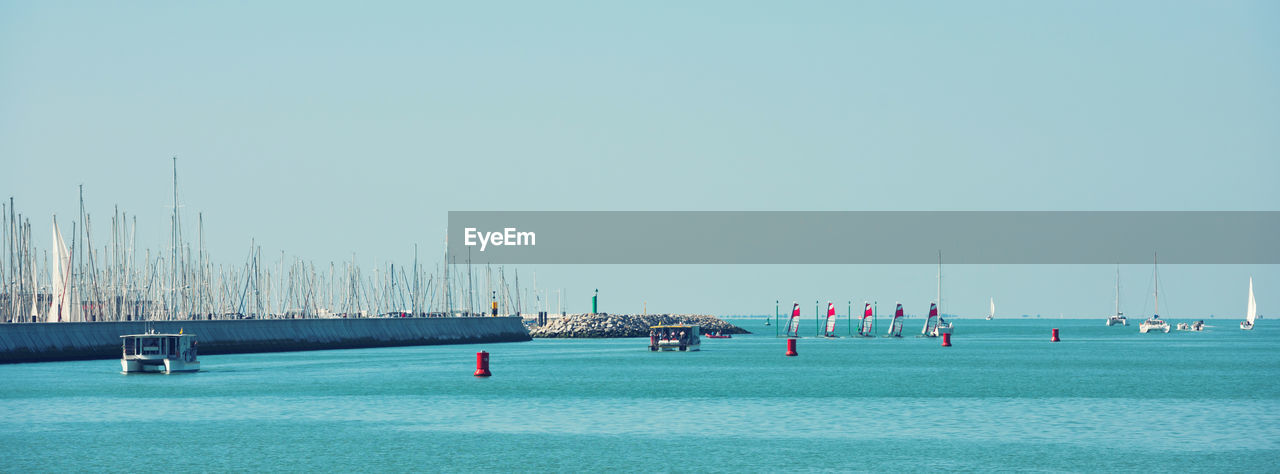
(1002, 398)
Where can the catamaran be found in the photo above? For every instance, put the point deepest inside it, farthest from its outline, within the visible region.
(895, 327)
(1252, 312)
(1154, 323)
(931, 323)
(1118, 318)
(793, 325)
(992, 314)
(831, 320)
(866, 325)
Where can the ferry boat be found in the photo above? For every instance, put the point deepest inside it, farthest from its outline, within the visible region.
(672, 337)
(155, 352)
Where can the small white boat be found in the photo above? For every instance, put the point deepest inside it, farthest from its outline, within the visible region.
(1194, 326)
(992, 314)
(1252, 313)
(154, 352)
(1118, 318)
(673, 337)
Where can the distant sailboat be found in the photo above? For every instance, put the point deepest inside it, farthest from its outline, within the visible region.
(1118, 318)
(831, 320)
(1154, 323)
(931, 322)
(866, 325)
(992, 314)
(895, 327)
(793, 326)
(1252, 313)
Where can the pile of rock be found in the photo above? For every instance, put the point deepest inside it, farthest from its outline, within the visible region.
(627, 325)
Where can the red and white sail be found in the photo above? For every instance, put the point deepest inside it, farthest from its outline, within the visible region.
(931, 323)
(793, 326)
(895, 327)
(868, 320)
(831, 319)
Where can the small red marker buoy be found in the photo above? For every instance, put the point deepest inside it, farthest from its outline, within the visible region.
(1055, 335)
(791, 348)
(946, 339)
(482, 364)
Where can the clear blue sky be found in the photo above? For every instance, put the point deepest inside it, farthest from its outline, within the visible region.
(328, 128)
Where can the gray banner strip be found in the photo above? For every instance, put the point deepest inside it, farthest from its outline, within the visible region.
(871, 237)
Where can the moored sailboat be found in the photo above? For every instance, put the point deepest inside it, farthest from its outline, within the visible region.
(1154, 323)
(1118, 318)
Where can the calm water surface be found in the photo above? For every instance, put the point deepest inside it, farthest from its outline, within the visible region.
(1002, 398)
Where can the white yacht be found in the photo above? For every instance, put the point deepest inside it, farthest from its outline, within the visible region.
(1252, 313)
(992, 314)
(154, 352)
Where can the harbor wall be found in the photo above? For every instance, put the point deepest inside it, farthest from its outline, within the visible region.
(36, 342)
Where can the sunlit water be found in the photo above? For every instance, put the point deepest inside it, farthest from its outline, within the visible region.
(1002, 398)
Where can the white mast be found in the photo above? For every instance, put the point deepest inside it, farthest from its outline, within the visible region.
(1157, 291)
(1117, 289)
(939, 285)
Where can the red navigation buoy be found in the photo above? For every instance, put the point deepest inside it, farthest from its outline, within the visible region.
(791, 348)
(1055, 335)
(482, 364)
(946, 339)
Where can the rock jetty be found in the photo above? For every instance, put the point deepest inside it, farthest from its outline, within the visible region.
(627, 325)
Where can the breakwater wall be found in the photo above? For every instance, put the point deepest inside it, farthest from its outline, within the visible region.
(627, 325)
(36, 342)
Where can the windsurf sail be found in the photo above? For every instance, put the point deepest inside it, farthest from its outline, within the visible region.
(793, 326)
(931, 323)
(831, 319)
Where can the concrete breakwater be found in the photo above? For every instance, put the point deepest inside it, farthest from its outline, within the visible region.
(35, 342)
(627, 325)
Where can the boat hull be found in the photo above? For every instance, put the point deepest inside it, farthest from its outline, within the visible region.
(1245, 325)
(163, 366)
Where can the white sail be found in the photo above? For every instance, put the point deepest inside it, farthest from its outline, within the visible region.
(60, 279)
(992, 314)
(1253, 305)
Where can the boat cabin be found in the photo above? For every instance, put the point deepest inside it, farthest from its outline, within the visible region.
(672, 337)
(155, 352)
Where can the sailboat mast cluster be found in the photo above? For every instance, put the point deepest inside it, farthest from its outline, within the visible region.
(79, 280)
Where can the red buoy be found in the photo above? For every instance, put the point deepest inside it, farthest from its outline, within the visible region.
(791, 348)
(1055, 335)
(482, 364)
(946, 339)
